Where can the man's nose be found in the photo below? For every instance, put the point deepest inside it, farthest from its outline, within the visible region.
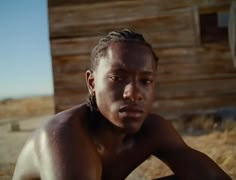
(132, 92)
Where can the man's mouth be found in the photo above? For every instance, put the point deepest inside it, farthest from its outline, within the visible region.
(131, 111)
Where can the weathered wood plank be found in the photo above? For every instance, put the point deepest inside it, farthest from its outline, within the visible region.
(197, 88)
(175, 72)
(211, 52)
(203, 58)
(130, 7)
(171, 79)
(76, 46)
(161, 22)
(194, 104)
(73, 46)
(53, 3)
(76, 80)
(70, 64)
(75, 22)
(170, 4)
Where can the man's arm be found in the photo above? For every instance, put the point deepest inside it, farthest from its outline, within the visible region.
(26, 166)
(185, 162)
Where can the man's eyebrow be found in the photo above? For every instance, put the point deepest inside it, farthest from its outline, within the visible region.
(123, 70)
(119, 69)
(149, 73)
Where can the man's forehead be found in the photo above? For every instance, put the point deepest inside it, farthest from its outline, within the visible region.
(123, 70)
(128, 49)
(119, 57)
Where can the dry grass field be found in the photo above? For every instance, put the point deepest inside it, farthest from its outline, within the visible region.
(217, 142)
(26, 107)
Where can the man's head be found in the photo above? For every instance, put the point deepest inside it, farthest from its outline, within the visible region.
(125, 35)
(122, 78)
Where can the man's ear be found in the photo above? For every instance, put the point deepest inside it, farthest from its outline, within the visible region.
(89, 76)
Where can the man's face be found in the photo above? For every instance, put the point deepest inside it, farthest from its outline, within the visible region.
(124, 84)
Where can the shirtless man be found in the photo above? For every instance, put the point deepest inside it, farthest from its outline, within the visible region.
(114, 132)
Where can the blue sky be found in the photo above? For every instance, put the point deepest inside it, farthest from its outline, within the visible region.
(25, 60)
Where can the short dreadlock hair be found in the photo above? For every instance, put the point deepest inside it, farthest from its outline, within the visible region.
(125, 35)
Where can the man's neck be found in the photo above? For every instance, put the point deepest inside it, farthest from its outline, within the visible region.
(110, 138)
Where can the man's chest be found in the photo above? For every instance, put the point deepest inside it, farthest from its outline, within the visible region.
(117, 166)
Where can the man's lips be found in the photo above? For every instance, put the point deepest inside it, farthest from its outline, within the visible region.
(131, 111)
(131, 108)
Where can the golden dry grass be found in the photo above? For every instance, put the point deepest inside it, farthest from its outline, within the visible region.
(26, 107)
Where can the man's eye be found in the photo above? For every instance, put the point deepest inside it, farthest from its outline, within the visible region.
(147, 81)
(115, 78)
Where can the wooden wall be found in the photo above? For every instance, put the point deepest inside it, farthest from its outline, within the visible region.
(192, 76)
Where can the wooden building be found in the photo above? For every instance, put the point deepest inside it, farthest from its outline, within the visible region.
(195, 73)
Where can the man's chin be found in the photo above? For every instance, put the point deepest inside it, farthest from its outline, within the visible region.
(131, 129)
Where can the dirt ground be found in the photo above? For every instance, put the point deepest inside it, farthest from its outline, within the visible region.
(11, 142)
(220, 145)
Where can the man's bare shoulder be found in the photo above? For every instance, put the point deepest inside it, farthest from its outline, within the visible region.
(77, 114)
(68, 121)
(64, 127)
(63, 123)
(157, 124)
(64, 134)
(162, 133)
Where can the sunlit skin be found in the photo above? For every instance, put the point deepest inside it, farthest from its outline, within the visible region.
(109, 147)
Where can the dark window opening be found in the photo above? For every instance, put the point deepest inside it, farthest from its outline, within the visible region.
(214, 27)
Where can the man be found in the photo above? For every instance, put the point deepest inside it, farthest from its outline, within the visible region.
(112, 134)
